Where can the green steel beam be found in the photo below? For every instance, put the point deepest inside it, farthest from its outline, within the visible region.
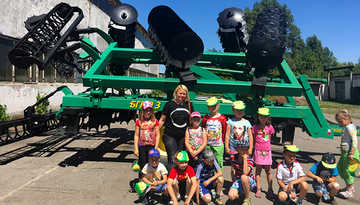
(148, 56)
(297, 112)
(224, 70)
(100, 64)
(203, 85)
(205, 74)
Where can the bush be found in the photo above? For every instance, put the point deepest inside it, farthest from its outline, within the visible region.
(3, 115)
(157, 93)
(43, 107)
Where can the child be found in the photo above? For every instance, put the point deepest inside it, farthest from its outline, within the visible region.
(349, 151)
(238, 131)
(195, 139)
(215, 125)
(324, 175)
(262, 132)
(291, 177)
(209, 177)
(182, 175)
(244, 178)
(154, 173)
(147, 134)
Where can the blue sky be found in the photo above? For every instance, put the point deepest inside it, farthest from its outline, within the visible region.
(335, 23)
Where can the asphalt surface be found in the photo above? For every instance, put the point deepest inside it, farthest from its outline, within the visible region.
(94, 168)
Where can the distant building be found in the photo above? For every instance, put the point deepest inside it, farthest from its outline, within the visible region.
(341, 88)
(21, 86)
(95, 15)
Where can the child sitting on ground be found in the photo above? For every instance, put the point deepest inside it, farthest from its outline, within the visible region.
(244, 178)
(195, 139)
(182, 175)
(209, 177)
(154, 173)
(324, 175)
(291, 177)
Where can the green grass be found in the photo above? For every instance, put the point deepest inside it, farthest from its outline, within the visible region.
(330, 107)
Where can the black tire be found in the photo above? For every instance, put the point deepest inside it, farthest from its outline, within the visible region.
(267, 41)
(232, 30)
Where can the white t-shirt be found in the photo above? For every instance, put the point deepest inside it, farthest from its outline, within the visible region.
(287, 175)
(154, 174)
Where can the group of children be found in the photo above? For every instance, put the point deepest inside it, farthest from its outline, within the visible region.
(198, 172)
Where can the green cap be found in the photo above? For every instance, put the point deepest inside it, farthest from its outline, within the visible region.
(239, 105)
(182, 156)
(264, 111)
(212, 101)
(292, 148)
(141, 187)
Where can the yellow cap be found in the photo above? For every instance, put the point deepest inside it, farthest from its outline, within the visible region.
(264, 111)
(292, 148)
(223, 100)
(239, 105)
(212, 101)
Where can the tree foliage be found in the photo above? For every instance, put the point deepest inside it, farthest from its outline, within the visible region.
(3, 115)
(43, 107)
(304, 57)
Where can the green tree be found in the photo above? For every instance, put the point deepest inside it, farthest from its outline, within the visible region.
(43, 107)
(304, 57)
(3, 115)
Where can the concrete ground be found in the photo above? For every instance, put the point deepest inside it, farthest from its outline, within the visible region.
(95, 168)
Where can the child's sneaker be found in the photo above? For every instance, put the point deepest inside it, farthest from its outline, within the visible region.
(299, 201)
(246, 202)
(346, 194)
(218, 200)
(333, 201)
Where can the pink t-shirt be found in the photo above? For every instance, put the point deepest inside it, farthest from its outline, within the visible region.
(262, 137)
(147, 132)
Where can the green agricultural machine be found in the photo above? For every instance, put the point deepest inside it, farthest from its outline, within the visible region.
(241, 72)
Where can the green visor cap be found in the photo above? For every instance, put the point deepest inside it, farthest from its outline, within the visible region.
(292, 148)
(182, 156)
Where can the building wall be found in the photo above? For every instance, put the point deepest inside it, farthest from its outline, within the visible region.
(20, 95)
(340, 88)
(12, 25)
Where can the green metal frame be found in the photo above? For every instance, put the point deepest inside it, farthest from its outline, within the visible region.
(99, 81)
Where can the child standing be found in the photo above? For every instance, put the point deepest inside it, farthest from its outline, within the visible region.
(262, 134)
(291, 176)
(349, 151)
(244, 179)
(238, 132)
(324, 175)
(147, 134)
(195, 139)
(215, 125)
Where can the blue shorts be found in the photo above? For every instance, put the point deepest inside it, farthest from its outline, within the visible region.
(206, 190)
(160, 188)
(238, 185)
(322, 188)
(295, 188)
